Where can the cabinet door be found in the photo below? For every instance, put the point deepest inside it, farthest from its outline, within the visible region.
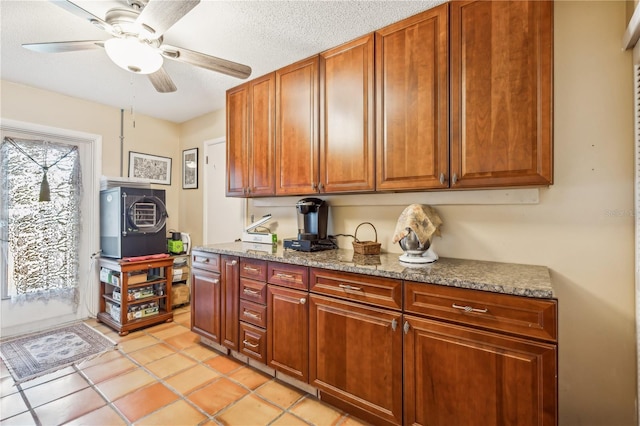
(456, 375)
(297, 128)
(501, 93)
(412, 102)
(356, 355)
(288, 331)
(262, 105)
(237, 144)
(205, 304)
(347, 141)
(230, 278)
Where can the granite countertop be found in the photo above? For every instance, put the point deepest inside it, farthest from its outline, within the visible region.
(496, 277)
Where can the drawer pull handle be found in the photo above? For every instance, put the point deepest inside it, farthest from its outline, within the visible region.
(250, 268)
(246, 343)
(303, 301)
(251, 315)
(285, 276)
(251, 292)
(470, 309)
(348, 287)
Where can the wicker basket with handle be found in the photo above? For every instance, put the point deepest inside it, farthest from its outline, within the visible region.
(366, 247)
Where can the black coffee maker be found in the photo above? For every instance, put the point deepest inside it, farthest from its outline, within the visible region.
(313, 214)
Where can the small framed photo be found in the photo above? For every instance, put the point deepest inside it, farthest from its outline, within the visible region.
(190, 168)
(154, 168)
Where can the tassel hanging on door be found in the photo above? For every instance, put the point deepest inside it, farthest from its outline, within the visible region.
(45, 193)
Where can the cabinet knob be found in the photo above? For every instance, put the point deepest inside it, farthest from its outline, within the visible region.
(233, 262)
(303, 301)
(441, 178)
(314, 186)
(454, 178)
(216, 281)
(321, 187)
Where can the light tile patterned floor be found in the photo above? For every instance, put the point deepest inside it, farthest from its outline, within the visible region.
(161, 375)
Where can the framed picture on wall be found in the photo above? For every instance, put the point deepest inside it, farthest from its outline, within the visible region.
(154, 168)
(190, 168)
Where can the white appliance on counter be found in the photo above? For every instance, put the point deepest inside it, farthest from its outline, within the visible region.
(186, 243)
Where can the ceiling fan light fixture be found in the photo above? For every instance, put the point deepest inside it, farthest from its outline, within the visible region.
(134, 56)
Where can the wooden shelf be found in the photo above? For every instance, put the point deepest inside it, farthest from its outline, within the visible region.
(124, 267)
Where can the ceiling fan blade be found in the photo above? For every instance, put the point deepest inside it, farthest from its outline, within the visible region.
(64, 46)
(162, 14)
(162, 82)
(81, 13)
(201, 60)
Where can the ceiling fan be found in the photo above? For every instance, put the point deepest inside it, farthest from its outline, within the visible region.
(137, 44)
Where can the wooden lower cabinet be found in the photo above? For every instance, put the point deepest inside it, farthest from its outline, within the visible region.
(356, 357)
(444, 356)
(253, 342)
(205, 304)
(215, 286)
(230, 294)
(288, 331)
(457, 375)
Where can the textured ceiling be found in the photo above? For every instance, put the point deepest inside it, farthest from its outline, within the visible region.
(265, 35)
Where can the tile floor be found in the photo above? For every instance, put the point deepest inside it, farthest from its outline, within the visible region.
(161, 375)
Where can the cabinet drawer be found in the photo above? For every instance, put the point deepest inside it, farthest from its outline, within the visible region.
(205, 260)
(511, 314)
(253, 342)
(293, 276)
(378, 291)
(253, 291)
(254, 269)
(253, 313)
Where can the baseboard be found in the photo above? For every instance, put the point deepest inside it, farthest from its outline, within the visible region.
(37, 326)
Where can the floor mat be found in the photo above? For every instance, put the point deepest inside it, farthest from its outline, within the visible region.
(34, 355)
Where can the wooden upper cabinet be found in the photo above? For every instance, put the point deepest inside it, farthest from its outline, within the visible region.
(262, 108)
(412, 102)
(237, 134)
(297, 128)
(501, 93)
(347, 132)
(250, 138)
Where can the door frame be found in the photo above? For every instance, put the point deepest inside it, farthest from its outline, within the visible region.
(207, 148)
(90, 151)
